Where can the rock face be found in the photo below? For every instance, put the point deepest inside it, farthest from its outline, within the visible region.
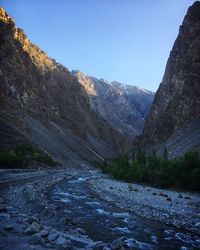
(124, 106)
(41, 100)
(176, 107)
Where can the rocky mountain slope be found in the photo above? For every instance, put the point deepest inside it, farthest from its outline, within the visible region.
(174, 118)
(44, 103)
(124, 106)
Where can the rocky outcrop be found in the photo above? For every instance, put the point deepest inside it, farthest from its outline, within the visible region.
(177, 101)
(43, 101)
(124, 106)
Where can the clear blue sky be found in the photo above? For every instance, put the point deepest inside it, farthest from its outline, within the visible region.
(124, 40)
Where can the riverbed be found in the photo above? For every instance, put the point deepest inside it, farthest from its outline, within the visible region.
(73, 213)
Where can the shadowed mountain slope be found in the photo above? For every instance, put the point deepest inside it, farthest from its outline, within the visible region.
(175, 112)
(41, 99)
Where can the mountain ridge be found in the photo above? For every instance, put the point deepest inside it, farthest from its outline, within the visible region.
(177, 102)
(124, 106)
(43, 101)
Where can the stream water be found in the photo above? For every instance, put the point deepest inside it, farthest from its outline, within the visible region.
(103, 221)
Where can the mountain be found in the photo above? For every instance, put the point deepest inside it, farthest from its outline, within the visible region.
(42, 102)
(124, 106)
(174, 118)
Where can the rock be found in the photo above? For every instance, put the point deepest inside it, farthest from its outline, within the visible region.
(96, 245)
(2, 201)
(44, 233)
(33, 219)
(34, 228)
(61, 240)
(106, 248)
(53, 235)
(23, 215)
(47, 228)
(28, 246)
(8, 227)
(197, 224)
(3, 208)
(36, 239)
(118, 243)
(154, 239)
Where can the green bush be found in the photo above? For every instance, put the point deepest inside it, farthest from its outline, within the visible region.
(183, 172)
(24, 155)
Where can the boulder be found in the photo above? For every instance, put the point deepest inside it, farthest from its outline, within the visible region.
(8, 227)
(33, 228)
(2, 201)
(53, 235)
(32, 219)
(61, 240)
(44, 233)
(36, 239)
(118, 243)
(3, 208)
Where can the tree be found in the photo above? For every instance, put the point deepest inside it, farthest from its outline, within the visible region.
(141, 156)
(154, 152)
(165, 153)
(133, 155)
(126, 163)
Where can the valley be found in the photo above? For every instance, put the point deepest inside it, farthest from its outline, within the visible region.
(78, 153)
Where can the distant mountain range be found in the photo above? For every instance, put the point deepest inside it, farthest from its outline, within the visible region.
(124, 106)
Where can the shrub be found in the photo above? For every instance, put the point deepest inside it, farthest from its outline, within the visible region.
(24, 155)
(183, 172)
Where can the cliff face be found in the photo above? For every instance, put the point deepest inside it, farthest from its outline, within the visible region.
(124, 106)
(177, 101)
(44, 102)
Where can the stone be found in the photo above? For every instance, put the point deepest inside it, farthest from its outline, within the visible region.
(33, 228)
(61, 240)
(8, 227)
(33, 219)
(118, 243)
(44, 233)
(53, 235)
(197, 224)
(23, 215)
(3, 208)
(154, 239)
(106, 248)
(36, 239)
(2, 201)
(98, 245)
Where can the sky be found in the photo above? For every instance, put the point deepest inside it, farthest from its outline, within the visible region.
(128, 41)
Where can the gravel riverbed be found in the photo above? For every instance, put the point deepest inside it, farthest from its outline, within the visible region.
(181, 209)
(81, 208)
